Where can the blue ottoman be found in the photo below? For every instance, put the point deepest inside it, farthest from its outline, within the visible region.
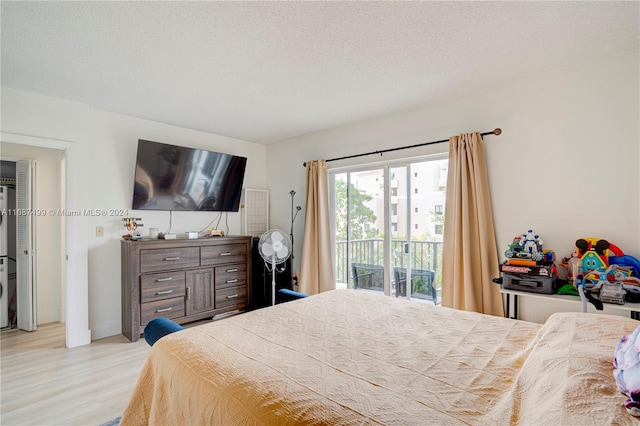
(158, 328)
(286, 295)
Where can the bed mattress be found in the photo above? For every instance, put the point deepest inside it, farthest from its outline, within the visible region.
(349, 357)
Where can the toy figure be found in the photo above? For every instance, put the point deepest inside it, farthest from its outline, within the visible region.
(531, 243)
(527, 246)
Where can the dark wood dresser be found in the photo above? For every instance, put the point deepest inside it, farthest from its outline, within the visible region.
(184, 280)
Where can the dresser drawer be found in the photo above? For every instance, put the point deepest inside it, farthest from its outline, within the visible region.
(168, 308)
(169, 258)
(161, 286)
(222, 254)
(231, 296)
(231, 275)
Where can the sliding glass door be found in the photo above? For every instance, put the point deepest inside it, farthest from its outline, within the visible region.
(388, 223)
(359, 229)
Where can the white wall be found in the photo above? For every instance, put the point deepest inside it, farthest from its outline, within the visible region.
(566, 164)
(113, 159)
(48, 228)
(99, 167)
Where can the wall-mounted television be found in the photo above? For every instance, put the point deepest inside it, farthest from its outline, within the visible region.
(170, 177)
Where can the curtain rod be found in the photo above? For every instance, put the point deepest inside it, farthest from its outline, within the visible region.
(496, 132)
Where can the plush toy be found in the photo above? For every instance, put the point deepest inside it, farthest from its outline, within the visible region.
(626, 364)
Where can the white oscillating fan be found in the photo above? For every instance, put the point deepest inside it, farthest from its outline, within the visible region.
(274, 247)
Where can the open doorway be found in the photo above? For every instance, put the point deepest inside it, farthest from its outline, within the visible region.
(35, 268)
(73, 252)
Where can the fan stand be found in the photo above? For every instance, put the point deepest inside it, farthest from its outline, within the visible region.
(274, 247)
(273, 279)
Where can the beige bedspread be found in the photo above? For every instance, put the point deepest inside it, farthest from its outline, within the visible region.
(349, 357)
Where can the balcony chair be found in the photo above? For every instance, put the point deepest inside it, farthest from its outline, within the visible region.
(417, 276)
(368, 276)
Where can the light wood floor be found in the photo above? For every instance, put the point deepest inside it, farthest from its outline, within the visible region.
(44, 383)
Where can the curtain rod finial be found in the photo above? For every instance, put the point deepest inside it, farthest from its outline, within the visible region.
(497, 131)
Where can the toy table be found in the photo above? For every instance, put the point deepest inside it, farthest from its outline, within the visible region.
(632, 308)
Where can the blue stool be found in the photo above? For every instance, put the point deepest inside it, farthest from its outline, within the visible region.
(160, 327)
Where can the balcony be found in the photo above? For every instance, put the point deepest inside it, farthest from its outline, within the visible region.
(426, 256)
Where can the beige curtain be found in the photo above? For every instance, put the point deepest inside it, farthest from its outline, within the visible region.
(470, 258)
(316, 266)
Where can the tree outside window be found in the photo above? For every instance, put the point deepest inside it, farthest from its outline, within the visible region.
(362, 217)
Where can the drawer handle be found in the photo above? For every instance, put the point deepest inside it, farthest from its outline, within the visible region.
(232, 270)
(163, 310)
(165, 292)
(226, 254)
(231, 281)
(188, 293)
(172, 258)
(233, 296)
(161, 280)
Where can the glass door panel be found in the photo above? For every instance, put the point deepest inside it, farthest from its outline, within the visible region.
(359, 229)
(366, 229)
(427, 191)
(341, 219)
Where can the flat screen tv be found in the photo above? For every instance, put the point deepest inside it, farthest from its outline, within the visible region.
(170, 177)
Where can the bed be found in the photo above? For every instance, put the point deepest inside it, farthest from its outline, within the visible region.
(349, 357)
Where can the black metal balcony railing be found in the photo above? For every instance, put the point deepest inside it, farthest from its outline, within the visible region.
(426, 255)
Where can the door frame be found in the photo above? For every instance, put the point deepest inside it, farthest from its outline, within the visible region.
(76, 298)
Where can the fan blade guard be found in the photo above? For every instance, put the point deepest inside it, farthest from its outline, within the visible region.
(274, 246)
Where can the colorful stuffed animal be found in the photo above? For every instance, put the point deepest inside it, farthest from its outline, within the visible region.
(626, 364)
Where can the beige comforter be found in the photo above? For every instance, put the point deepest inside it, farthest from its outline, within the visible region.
(351, 358)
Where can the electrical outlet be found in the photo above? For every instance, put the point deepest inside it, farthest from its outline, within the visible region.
(99, 231)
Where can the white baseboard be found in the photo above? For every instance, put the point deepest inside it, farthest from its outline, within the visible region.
(49, 316)
(107, 329)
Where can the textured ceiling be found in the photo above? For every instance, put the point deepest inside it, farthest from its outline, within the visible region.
(265, 71)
